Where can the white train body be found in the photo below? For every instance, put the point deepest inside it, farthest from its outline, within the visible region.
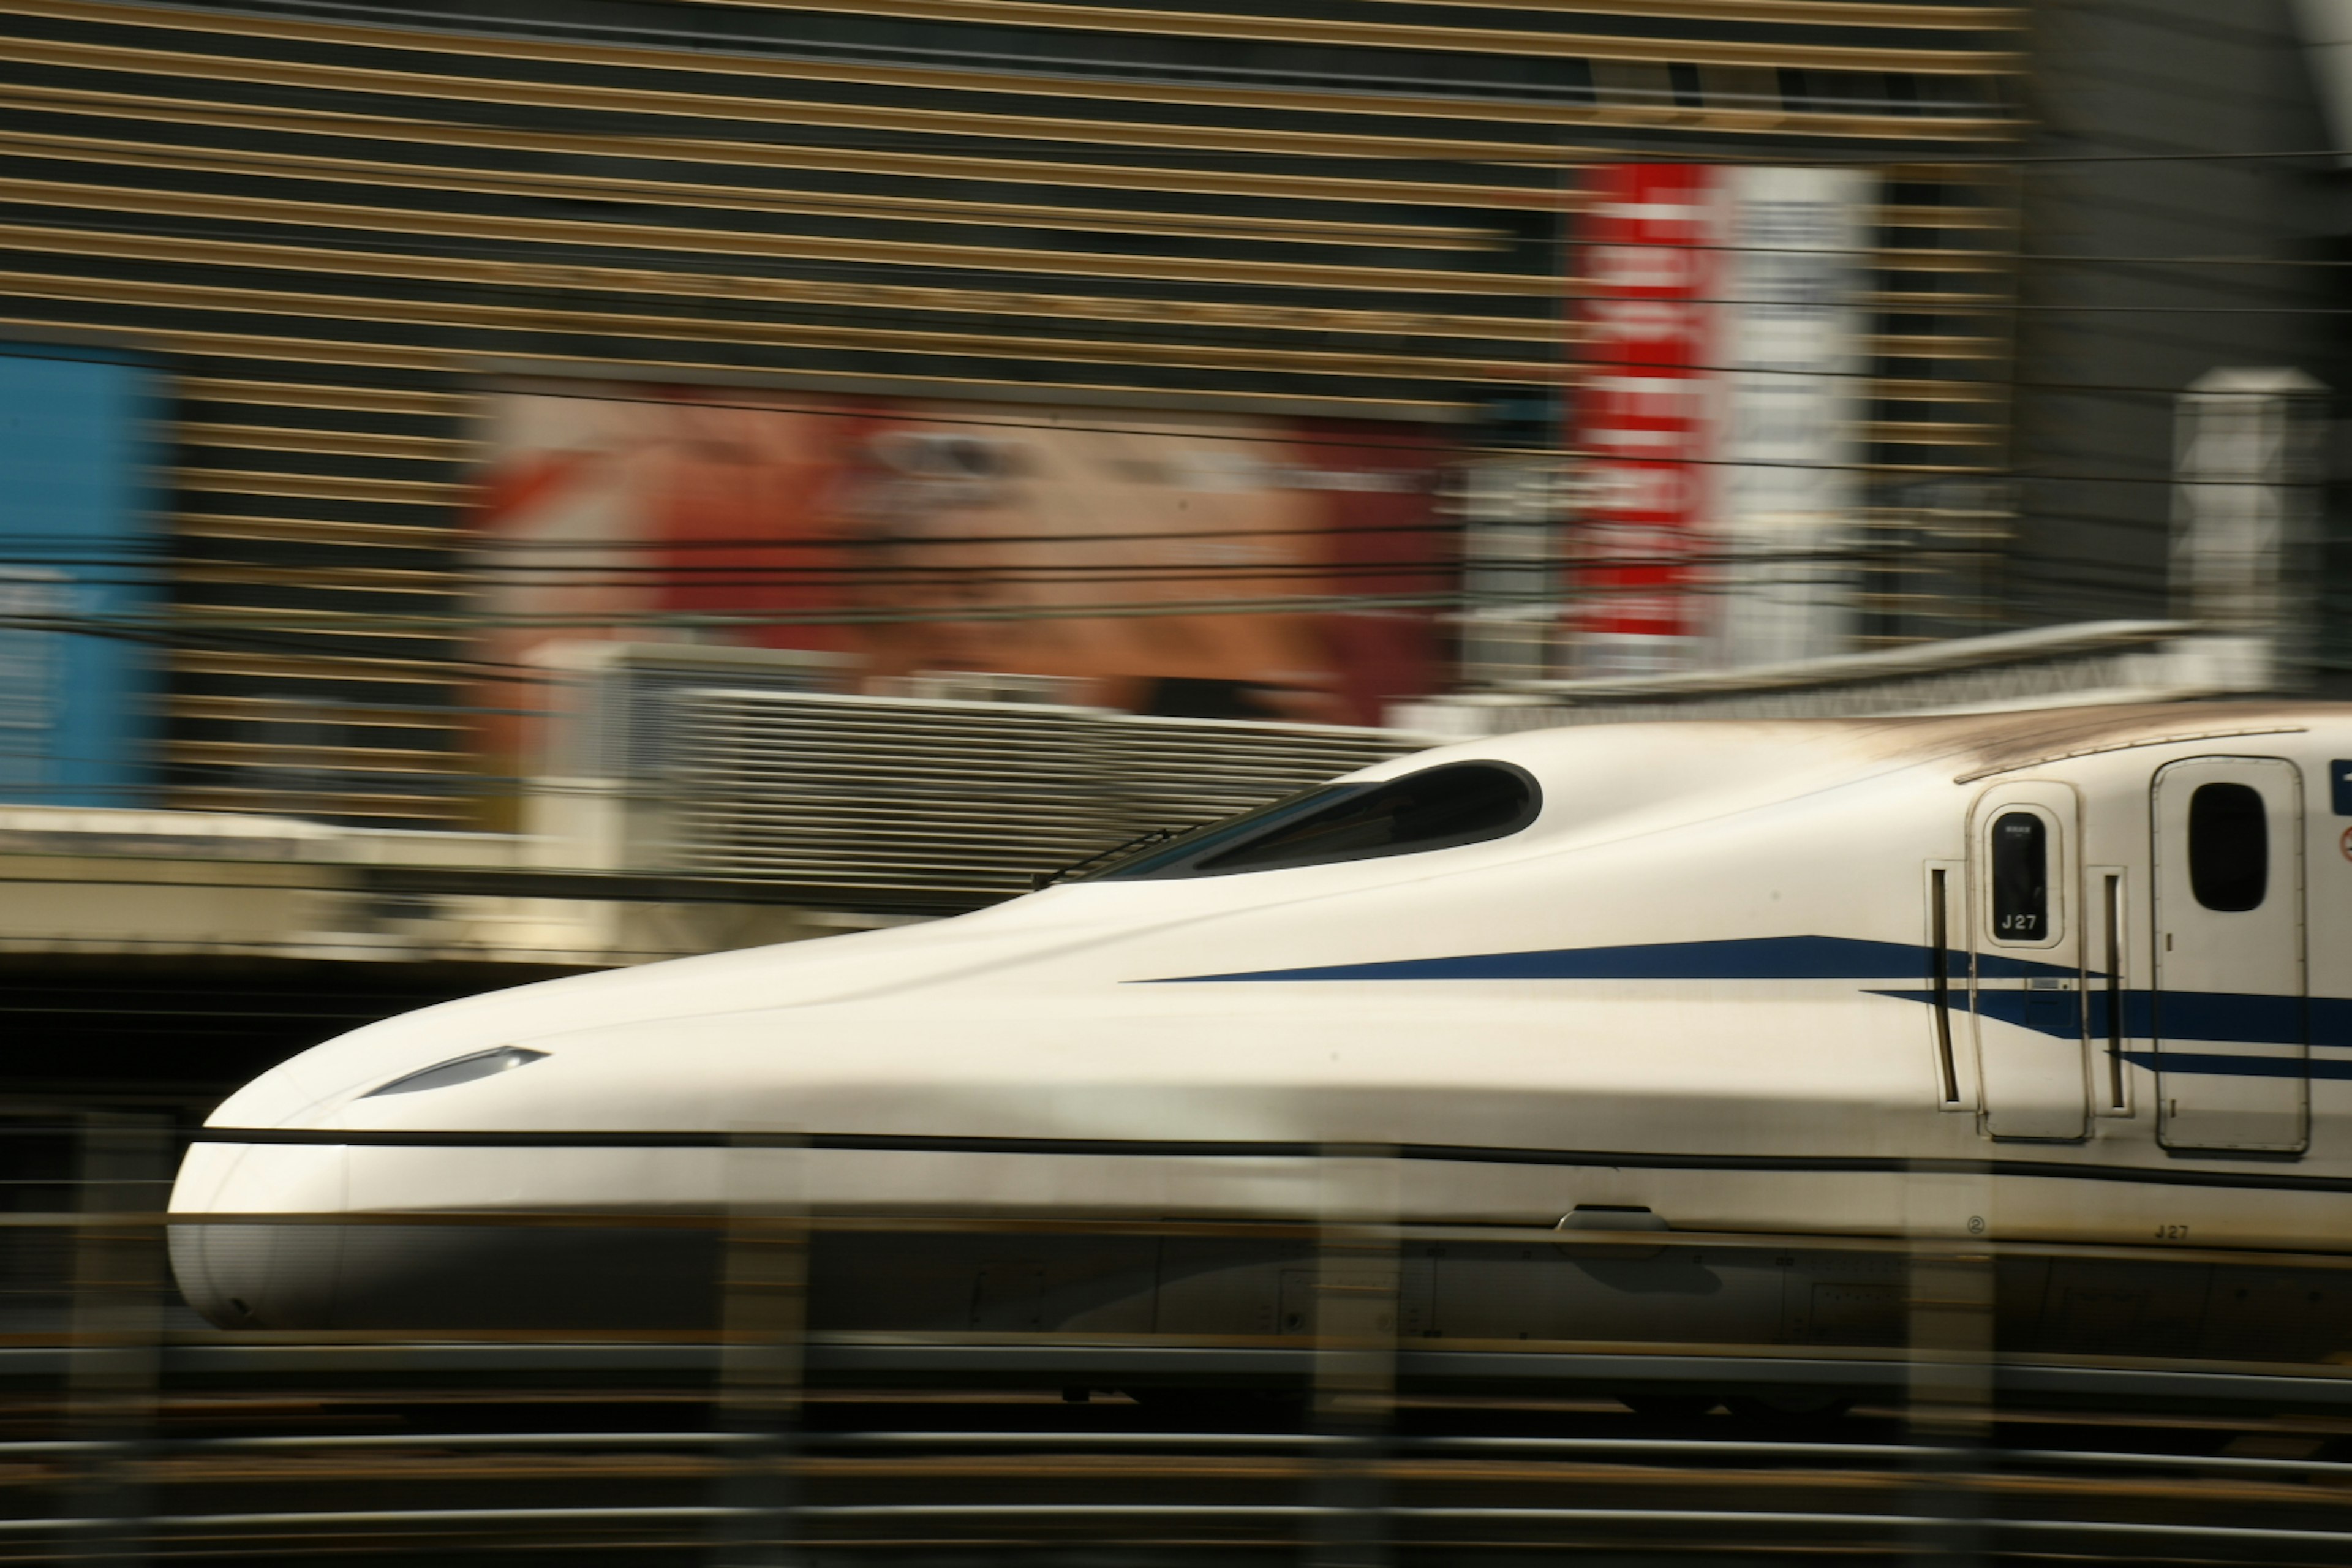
(1703, 977)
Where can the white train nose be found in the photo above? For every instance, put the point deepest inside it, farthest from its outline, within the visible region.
(446, 1278)
(256, 1276)
(290, 1266)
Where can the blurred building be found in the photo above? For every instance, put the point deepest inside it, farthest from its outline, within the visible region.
(866, 261)
(2187, 235)
(710, 438)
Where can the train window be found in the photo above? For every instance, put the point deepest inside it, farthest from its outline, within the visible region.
(2020, 878)
(1431, 810)
(1160, 854)
(1465, 803)
(2228, 846)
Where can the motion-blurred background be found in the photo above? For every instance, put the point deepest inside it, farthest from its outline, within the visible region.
(492, 490)
(500, 488)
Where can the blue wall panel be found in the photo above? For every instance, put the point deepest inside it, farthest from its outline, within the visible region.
(77, 576)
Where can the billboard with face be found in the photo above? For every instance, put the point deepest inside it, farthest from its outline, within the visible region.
(1202, 564)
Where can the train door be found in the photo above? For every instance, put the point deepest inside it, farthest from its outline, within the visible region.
(2026, 984)
(2232, 1051)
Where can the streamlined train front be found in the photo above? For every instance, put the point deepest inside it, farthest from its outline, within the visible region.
(2061, 978)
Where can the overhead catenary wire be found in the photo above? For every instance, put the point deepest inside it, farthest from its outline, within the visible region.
(914, 210)
(1532, 155)
(1712, 578)
(1308, 438)
(1706, 548)
(543, 251)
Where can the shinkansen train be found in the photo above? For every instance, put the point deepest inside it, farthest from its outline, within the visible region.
(2071, 984)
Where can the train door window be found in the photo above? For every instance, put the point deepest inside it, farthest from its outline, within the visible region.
(2024, 984)
(2229, 1028)
(2229, 848)
(2020, 878)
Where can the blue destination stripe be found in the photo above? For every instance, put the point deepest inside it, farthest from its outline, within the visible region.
(2241, 1067)
(2208, 1017)
(2183, 1015)
(1738, 958)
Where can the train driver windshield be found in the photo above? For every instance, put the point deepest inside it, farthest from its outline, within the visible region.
(1464, 802)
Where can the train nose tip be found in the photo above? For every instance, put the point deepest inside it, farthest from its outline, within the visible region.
(254, 1245)
(437, 1278)
(256, 1276)
(238, 1270)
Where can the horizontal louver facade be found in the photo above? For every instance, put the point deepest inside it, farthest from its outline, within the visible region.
(877, 793)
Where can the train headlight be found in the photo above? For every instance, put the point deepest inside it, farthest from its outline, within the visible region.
(459, 1069)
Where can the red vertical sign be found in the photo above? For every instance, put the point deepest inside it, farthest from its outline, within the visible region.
(1641, 412)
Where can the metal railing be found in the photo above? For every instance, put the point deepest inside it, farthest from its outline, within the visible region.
(783, 1429)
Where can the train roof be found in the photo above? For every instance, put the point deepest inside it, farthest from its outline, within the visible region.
(1973, 745)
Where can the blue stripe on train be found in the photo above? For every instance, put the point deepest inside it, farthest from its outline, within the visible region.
(2325, 1021)
(1738, 958)
(2240, 1067)
(2184, 1015)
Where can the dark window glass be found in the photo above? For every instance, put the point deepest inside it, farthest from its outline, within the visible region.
(1161, 852)
(2228, 846)
(2020, 878)
(1463, 804)
(1459, 805)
